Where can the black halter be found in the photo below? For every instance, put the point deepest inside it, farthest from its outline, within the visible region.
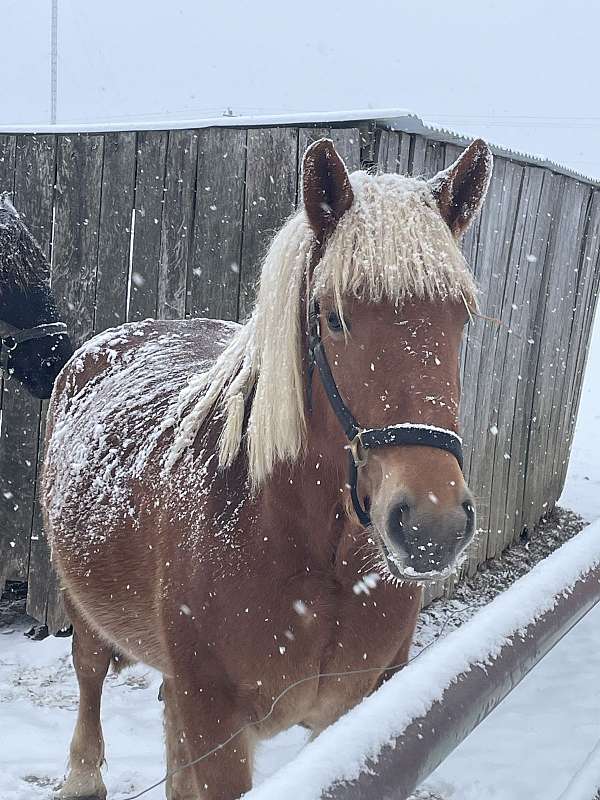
(362, 439)
(11, 338)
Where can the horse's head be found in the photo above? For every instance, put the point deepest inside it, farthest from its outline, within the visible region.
(34, 348)
(390, 294)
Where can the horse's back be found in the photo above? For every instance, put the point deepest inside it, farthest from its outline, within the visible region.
(111, 418)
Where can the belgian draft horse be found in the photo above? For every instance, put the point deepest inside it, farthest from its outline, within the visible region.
(214, 493)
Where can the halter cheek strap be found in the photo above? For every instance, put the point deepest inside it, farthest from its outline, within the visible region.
(11, 338)
(363, 439)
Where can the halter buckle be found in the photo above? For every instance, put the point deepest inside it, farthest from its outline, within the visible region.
(359, 455)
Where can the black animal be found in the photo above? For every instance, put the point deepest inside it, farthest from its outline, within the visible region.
(34, 343)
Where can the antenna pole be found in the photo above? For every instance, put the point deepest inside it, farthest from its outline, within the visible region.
(53, 61)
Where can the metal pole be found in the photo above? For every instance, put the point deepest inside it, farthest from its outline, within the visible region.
(53, 61)
(427, 710)
(410, 758)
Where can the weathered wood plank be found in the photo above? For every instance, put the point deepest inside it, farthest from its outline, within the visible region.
(36, 200)
(586, 309)
(347, 143)
(78, 192)
(536, 206)
(572, 224)
(217, 242)
(582, 282)
(7, 182)
(40, 568)
(306, 137)
(147, 221)
(403, 153)
(118, 179)
(177, 223)
(387, 150)
(271, 182)
(542, 363)
(496, 226)
(512, 343)
(434, 158)
(33, 192)
(418, 148)
(8, 144)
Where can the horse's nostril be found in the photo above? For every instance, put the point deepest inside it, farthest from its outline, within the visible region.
(402, 511)
(469, 510)
(398, 523)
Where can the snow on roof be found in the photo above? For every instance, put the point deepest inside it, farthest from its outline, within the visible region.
(396, 119)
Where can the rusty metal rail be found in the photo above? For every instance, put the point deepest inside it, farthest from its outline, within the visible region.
(393, 766)
(407, 761)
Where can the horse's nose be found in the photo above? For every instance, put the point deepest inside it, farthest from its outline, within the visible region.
(429, 539)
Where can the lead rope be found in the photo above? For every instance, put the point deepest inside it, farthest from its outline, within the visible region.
(318, 676)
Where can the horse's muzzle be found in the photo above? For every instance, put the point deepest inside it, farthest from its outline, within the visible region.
(422, 542)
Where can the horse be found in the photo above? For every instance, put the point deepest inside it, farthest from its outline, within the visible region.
(34, 343)
(253, 509)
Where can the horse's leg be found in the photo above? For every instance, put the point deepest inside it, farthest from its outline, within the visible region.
(194, 724)
(91, 658)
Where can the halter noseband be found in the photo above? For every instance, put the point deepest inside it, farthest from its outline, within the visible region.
(11, 338)
(362, 439)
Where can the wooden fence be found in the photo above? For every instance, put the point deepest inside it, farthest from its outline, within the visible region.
(173, 223)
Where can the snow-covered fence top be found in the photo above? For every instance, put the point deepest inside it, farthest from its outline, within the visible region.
(388, 744)
(171, 223)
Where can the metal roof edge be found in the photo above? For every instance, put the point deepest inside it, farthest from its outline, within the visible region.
(414, 124)
(395, 119)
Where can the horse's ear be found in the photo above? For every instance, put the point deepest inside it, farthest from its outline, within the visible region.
(326, 187)
(461, 188)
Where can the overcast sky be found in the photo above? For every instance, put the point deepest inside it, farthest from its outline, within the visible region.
(523, 73)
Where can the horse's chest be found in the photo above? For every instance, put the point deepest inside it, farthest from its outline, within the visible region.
(348, 637)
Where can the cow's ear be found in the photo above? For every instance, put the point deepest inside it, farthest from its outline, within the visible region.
(461, 188)
(326, 188)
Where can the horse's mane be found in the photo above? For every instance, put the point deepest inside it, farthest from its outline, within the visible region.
(392, 243)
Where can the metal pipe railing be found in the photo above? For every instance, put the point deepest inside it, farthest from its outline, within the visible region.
(389, 744)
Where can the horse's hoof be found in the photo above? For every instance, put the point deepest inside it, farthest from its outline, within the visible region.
(59, 796)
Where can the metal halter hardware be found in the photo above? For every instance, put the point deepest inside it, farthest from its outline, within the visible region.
(11, 338)
(363, 439)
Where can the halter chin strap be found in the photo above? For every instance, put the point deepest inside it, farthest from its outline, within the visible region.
(363, 439)
(11, 338)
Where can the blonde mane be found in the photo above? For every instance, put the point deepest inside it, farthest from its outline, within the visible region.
(392, 243)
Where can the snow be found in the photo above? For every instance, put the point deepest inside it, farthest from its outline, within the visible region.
(535, 741)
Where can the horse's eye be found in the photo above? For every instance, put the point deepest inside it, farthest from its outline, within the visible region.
(334, 323)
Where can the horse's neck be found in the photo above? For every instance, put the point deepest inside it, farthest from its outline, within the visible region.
(308, 498)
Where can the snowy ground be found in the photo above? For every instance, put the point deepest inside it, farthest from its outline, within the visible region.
(520, 751)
